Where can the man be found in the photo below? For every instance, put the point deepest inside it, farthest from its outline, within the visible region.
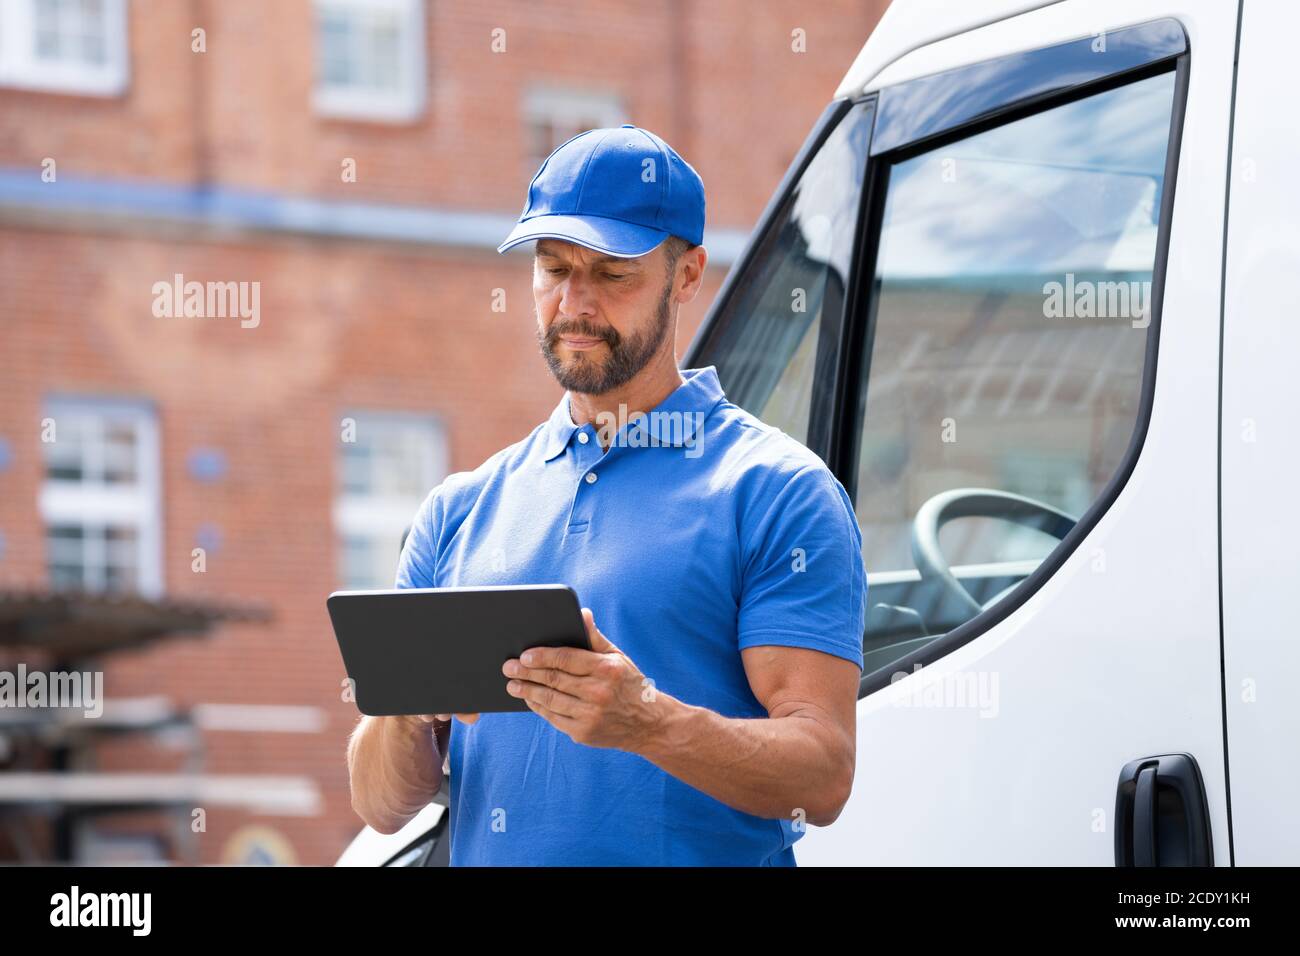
(718, 561)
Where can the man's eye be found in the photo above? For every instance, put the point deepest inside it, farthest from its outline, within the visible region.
(616, 276)
(555, 271)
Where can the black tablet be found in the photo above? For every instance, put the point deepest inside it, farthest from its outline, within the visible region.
(440, 650)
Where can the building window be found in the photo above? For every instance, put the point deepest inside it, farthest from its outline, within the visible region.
(64, 46)
(554, 115)
(370, 59)
(387, 464)
(100, 497)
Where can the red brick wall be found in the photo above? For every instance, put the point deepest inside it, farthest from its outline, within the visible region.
(736, 102)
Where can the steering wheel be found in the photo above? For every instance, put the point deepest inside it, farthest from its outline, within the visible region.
(975, 503)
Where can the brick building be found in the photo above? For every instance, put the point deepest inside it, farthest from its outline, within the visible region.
(349, 166)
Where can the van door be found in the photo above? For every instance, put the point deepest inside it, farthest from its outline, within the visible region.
(1011, 367)
(1261, 458)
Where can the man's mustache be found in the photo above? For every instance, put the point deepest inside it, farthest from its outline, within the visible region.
(609, 336)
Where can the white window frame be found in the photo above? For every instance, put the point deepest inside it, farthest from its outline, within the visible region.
(97, 503)
(368, 516)
(569, 106)
(20, 67)
(403, 105)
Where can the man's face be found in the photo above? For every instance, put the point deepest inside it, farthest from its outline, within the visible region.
(600, 319)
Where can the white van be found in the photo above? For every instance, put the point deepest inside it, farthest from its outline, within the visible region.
(1029, 288)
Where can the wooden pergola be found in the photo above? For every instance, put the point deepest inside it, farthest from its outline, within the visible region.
(72, 632)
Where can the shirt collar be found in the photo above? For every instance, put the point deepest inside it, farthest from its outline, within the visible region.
(699, 392)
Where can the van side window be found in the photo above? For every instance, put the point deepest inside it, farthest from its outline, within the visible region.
(1004, 368)
(792, 293)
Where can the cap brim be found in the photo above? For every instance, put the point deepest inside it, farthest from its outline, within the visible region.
(613, 237)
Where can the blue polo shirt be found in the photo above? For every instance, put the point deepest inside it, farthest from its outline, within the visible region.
(699, 532)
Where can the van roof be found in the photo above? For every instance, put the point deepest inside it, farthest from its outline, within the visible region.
(910, 24)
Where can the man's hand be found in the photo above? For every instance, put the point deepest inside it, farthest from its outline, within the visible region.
(442, 728)
(597, 697)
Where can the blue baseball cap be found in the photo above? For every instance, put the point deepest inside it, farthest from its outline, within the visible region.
(621, 191)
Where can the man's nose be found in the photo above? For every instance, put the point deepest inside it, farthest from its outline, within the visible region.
(577, 298)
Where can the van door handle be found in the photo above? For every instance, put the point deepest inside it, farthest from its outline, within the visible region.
(1161, 816)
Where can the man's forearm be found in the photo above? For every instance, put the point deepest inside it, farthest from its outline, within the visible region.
(395, 769)
(771, 767)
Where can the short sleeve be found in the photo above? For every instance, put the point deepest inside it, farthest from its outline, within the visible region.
(803, 579)
(418, 563)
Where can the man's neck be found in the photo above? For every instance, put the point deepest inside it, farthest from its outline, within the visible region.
(646, 390)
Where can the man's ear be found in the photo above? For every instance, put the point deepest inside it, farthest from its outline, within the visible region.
(692, 264)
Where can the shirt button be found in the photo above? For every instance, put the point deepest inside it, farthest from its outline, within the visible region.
(583, 437)
(591, 477)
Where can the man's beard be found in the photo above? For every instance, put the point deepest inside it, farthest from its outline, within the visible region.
(626, 356)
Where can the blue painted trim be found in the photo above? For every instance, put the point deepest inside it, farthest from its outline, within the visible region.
(206, 464)
(223, 209)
